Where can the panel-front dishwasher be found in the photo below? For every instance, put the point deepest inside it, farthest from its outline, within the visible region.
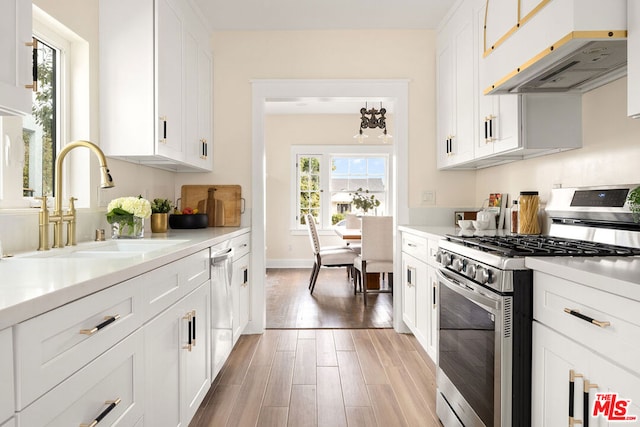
(221, 303)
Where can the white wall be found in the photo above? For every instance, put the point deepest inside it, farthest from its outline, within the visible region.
(610, 153)
(241, 56)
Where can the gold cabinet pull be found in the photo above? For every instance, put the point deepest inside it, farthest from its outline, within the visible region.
(572, 377)
(107, 321)
(576, 313)
(190, 317)
(112, 404)
(163, 119)
(33, 44)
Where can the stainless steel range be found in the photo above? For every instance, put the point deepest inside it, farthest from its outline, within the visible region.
(485, 321)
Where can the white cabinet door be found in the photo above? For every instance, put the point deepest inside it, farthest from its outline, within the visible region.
(241, 295)
(197, 97)
(177, 362)
(196, 364)
(15, 66)
(431, 333)
(170, 90)
(7, 396)
(409, 279)
(163, 338)
(554, 357)
(446, 118)
(456, 68)
(633, 59)
(108, 390)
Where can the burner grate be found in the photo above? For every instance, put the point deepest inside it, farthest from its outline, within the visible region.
(518, 245)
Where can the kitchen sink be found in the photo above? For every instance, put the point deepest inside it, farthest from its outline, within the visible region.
(107, 249)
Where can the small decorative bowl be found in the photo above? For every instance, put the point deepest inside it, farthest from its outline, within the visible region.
(465, 224)
(481, 225)
(188, 221)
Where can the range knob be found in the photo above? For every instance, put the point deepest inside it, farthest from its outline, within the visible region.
(483, 275)
(439, 256)
(471, 271)
(457, 264)
(446, 259)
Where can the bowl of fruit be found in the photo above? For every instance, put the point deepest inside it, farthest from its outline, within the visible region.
(188, 218)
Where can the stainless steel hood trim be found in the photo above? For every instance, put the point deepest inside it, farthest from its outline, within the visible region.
(574, 36)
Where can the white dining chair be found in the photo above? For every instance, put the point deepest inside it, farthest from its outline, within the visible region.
(376, 253)
(329, 256)
(353, 221)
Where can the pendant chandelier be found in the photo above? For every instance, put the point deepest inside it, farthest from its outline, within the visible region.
(371, 119)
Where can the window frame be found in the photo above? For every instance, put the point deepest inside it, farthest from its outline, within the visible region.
(325, 154)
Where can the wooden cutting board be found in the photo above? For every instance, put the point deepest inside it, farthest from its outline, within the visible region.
(221, 202)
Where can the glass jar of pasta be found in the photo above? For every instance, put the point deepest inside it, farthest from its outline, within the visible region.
(529, 223)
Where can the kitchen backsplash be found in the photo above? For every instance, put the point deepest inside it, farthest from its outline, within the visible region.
(19, 230)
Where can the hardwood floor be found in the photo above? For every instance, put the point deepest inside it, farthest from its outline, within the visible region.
(323, 378)
(332, 305)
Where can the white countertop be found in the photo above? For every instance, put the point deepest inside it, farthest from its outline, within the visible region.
(429, 231)
(31, 286)
(617, 275)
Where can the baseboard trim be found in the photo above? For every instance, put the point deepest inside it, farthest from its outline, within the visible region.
(289, 263)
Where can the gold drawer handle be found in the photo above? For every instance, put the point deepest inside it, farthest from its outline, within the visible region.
(107, 321)
(576, 313)
(112, 404)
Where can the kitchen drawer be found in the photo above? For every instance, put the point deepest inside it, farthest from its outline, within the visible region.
(618, 341)
(241, 245)
(7, 401)
(166, 285)
(415, 246)
(115, 375)
(54, 345)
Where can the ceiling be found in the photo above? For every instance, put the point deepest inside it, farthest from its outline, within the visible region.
(322, 14)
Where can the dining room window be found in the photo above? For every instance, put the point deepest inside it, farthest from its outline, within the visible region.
(327, 177)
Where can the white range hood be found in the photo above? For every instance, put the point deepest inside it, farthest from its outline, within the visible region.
(554, 46)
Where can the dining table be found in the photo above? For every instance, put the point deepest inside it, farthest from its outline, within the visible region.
(353, 235)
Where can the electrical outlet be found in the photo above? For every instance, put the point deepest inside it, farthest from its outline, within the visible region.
(428, 197)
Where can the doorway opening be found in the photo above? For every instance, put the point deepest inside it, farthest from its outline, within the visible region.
(266, 91)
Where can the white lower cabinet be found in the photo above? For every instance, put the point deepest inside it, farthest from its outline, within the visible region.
(177, 375)
(419, 291)
(241, 284)
(7, 395)
(54, 345)
(555, 357)
(108, 389)
(592, 335)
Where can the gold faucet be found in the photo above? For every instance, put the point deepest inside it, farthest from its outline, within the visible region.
(57, 217)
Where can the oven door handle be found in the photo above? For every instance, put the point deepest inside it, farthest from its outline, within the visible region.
(460, 287)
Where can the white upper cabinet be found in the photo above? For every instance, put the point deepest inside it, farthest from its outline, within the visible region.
(15, 66)
(477, 130)
(456, 87)
(155, 102)
(633, 59)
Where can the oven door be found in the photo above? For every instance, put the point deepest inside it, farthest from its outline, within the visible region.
(471, 362)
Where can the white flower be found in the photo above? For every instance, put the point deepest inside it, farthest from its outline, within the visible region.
(134, 205)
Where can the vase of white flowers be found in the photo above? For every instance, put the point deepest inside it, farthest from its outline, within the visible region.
(126, 216)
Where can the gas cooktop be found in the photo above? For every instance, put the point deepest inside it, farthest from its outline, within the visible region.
(521, 245)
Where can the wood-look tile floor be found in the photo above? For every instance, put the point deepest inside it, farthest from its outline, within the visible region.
(324, 378)
(332, 305)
